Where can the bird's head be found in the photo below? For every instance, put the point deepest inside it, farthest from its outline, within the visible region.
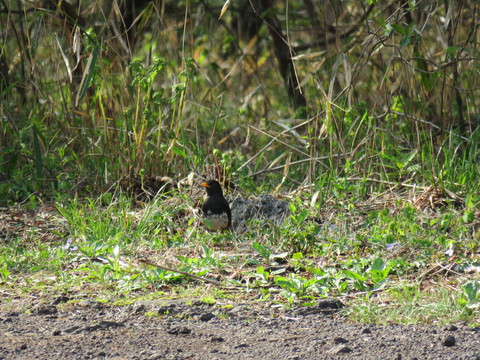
(212, 187)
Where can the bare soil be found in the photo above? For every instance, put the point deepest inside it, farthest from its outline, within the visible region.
(166, 329)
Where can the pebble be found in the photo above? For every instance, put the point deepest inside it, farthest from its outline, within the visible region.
(449, 340)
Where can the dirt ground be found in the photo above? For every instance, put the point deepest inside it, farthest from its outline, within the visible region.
(166, 329)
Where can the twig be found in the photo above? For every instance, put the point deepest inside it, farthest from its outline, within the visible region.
(210, 281)
(387, 182)
(362, 293)
(316, 159)
(428, 123)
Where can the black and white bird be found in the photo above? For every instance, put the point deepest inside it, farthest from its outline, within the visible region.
(216, 211)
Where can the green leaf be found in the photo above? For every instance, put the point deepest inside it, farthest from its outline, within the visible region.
(354, 275)
(179, 151)
(145, 16)
(405, 41)
(262, 250)
(208, 223)
(317, 271)
(297, 256)
(88, 74)
(260, 270)
(380, 270)
(400, 29)
(468, 216)
(388, 30)
(471, 289)
(378, 264)
(410, 29)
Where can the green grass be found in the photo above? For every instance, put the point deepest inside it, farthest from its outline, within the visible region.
(409, 304)
(386, 259)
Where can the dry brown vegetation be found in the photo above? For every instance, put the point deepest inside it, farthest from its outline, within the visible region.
(95, 91)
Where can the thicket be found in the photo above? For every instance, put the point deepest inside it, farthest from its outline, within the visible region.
(277, 93)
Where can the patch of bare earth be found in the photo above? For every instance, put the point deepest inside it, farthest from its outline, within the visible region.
(166, 329)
